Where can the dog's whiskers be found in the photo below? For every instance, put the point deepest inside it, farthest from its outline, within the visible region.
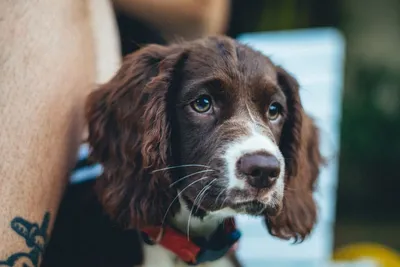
(180, 166)
(177, 196)
(191, 210)
(204, 193)
(219, 195)
(189, 175)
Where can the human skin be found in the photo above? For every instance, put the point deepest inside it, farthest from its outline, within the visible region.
(47, 68)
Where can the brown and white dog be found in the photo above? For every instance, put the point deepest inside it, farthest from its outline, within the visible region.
(190, 135)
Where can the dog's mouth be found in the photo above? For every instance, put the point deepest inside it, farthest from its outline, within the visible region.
(253, 207)
(250, 207)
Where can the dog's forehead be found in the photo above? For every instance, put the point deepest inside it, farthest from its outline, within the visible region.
(225, 58)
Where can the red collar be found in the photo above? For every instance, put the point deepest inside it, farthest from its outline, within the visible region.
(197, 250)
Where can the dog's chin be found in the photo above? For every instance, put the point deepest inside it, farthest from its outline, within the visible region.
(255, 208)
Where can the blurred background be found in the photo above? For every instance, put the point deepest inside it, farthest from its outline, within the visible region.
(367, 198)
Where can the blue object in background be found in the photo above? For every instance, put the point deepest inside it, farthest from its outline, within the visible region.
(87, 171)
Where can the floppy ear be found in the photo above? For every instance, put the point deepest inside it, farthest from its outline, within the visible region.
(129, 135)
(300, 147)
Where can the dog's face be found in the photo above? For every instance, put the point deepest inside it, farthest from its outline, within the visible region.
(229, 115)
(212, 123)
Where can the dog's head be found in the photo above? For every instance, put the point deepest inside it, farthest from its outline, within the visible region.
(210, 122)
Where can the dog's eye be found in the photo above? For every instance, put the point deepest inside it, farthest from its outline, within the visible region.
(274, 111)
(202, 104)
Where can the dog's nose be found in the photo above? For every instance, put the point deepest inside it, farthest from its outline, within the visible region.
(260, 170)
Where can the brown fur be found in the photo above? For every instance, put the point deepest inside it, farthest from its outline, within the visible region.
(129, 135)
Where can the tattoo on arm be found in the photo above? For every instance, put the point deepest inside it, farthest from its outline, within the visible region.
(35, 237)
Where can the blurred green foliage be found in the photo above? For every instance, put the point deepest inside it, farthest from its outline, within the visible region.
(370, 145)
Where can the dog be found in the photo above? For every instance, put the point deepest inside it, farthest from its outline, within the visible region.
(190, 135)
